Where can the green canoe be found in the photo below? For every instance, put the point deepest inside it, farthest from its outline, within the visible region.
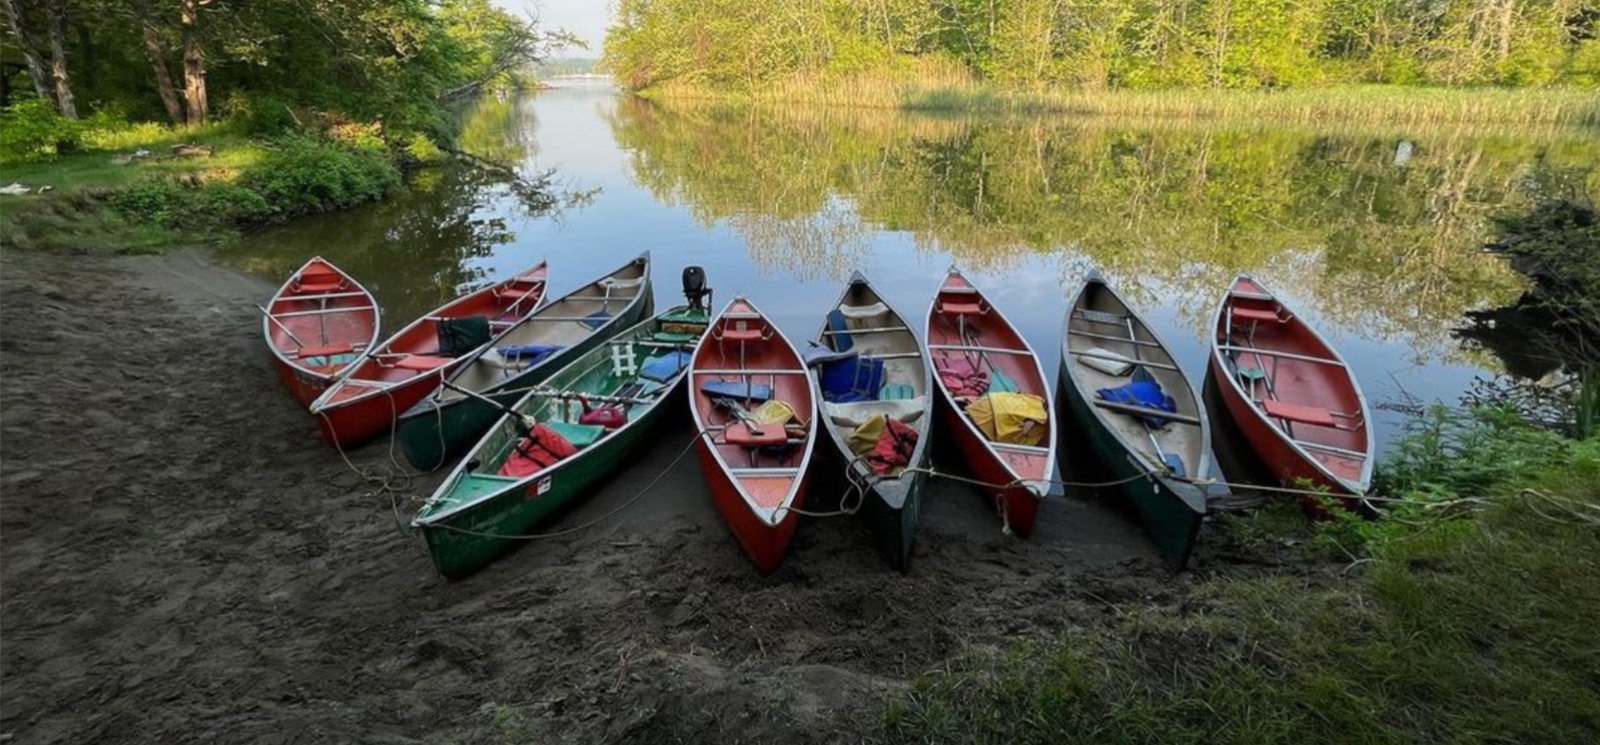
(1105, 345)
(639, 370)
(446, 423)
(862, 323)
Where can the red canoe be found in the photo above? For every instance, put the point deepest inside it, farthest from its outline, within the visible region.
(407, 366)
(319, 324)
(756, 468)
(974, 347)
(1292, 396)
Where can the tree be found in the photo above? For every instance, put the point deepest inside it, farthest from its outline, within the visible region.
(56, 12)
(30, 53)
(194, 62)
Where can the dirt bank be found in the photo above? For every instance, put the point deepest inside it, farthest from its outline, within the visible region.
(184, 560)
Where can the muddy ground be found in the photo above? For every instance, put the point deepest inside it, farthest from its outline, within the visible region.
(184, 560)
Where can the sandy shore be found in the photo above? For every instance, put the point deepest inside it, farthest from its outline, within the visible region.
(184, 560)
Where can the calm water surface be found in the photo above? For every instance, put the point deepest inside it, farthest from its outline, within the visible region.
(1372, 235)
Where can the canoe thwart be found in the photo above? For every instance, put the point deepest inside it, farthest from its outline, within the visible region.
(1144, 411)
(1283, 355)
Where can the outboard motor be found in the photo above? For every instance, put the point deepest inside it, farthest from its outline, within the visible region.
(694, 287)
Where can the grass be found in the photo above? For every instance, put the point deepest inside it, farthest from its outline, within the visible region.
(943, 90)
(1450, 627)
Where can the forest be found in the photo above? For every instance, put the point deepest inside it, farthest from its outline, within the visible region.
(265, 65)
(1096, 45)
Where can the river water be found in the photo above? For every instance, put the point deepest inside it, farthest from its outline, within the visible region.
(1372, 235)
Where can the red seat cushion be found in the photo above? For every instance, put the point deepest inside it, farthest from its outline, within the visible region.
(421, 363)
(1254, 314)
(1298, 413)
(742, 334)
(739, 433)
(960, 309)
(518, 292)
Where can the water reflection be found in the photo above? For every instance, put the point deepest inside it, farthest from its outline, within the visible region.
(1374, 236)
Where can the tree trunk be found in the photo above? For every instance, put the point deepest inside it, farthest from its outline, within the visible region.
(194, 63)
(157, 52)
(30, 53)
(58, 59)
(1508, 10)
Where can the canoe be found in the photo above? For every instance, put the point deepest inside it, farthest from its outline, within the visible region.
(446, 422)
(319, 324)
(757, 470)
(886, 375)
(1292, 396)
(409, 365)
(1113, 366)
(484, 497)
(971, 342)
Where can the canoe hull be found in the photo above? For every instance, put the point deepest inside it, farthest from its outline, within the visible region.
(523, 507)
(433, 435)
(1018, 506)
(304, 386)
(894, 528)
(1163, 505)
(766, 544)
(358, 421)
(1286, 464)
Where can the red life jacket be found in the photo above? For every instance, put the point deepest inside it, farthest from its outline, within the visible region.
(610, 417)
(542, 448)
(964, 379)
(894, 448)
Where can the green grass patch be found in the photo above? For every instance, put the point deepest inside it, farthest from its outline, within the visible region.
(1460, 622)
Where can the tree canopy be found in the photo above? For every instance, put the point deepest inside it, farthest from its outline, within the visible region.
(186, 60)
(1098, 44)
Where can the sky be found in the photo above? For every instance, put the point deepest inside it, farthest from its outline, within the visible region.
(586, 18)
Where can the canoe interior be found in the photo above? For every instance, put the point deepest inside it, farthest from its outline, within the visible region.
(594, 374)
(887, 338)
(1001, 350)
(1256, 330)
(504, 303)
(562, 323)
(1099, 314)
(767, 483)
(322, 307)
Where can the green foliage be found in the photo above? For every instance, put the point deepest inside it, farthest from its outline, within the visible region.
(1091, 44)
(1477, 628)
(306, 174)
(31, 130)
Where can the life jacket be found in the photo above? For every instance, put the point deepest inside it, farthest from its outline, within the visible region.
(893, 452)
(964, 379)
(541, 448)
(610, 417)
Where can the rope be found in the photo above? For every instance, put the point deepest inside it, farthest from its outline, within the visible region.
(591, 523)
(858, 488)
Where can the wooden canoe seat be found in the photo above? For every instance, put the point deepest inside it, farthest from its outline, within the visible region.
(1256, 315)
(1316, 415)
(739, 434)
(421, 363)
(326, 351)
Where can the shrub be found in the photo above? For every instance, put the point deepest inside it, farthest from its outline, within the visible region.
(258, 115)
(31, 130)
(309, 174)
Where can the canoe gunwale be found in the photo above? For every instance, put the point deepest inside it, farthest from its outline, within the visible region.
(666, 394)
(893, 491)
(1220, 361)
(703, 434)
(1037, 487)
(541, 268)
(294, 365)
(1071, 376)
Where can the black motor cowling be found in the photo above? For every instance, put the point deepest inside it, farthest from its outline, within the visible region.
(694, 287)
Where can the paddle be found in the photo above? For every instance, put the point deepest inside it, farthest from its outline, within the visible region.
(739, 413)
(284, 328)
(524, 423)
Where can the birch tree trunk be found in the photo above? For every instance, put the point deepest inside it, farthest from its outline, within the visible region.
(30, 53)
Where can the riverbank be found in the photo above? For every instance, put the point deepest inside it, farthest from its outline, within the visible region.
(955, 94)
(184, 559)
